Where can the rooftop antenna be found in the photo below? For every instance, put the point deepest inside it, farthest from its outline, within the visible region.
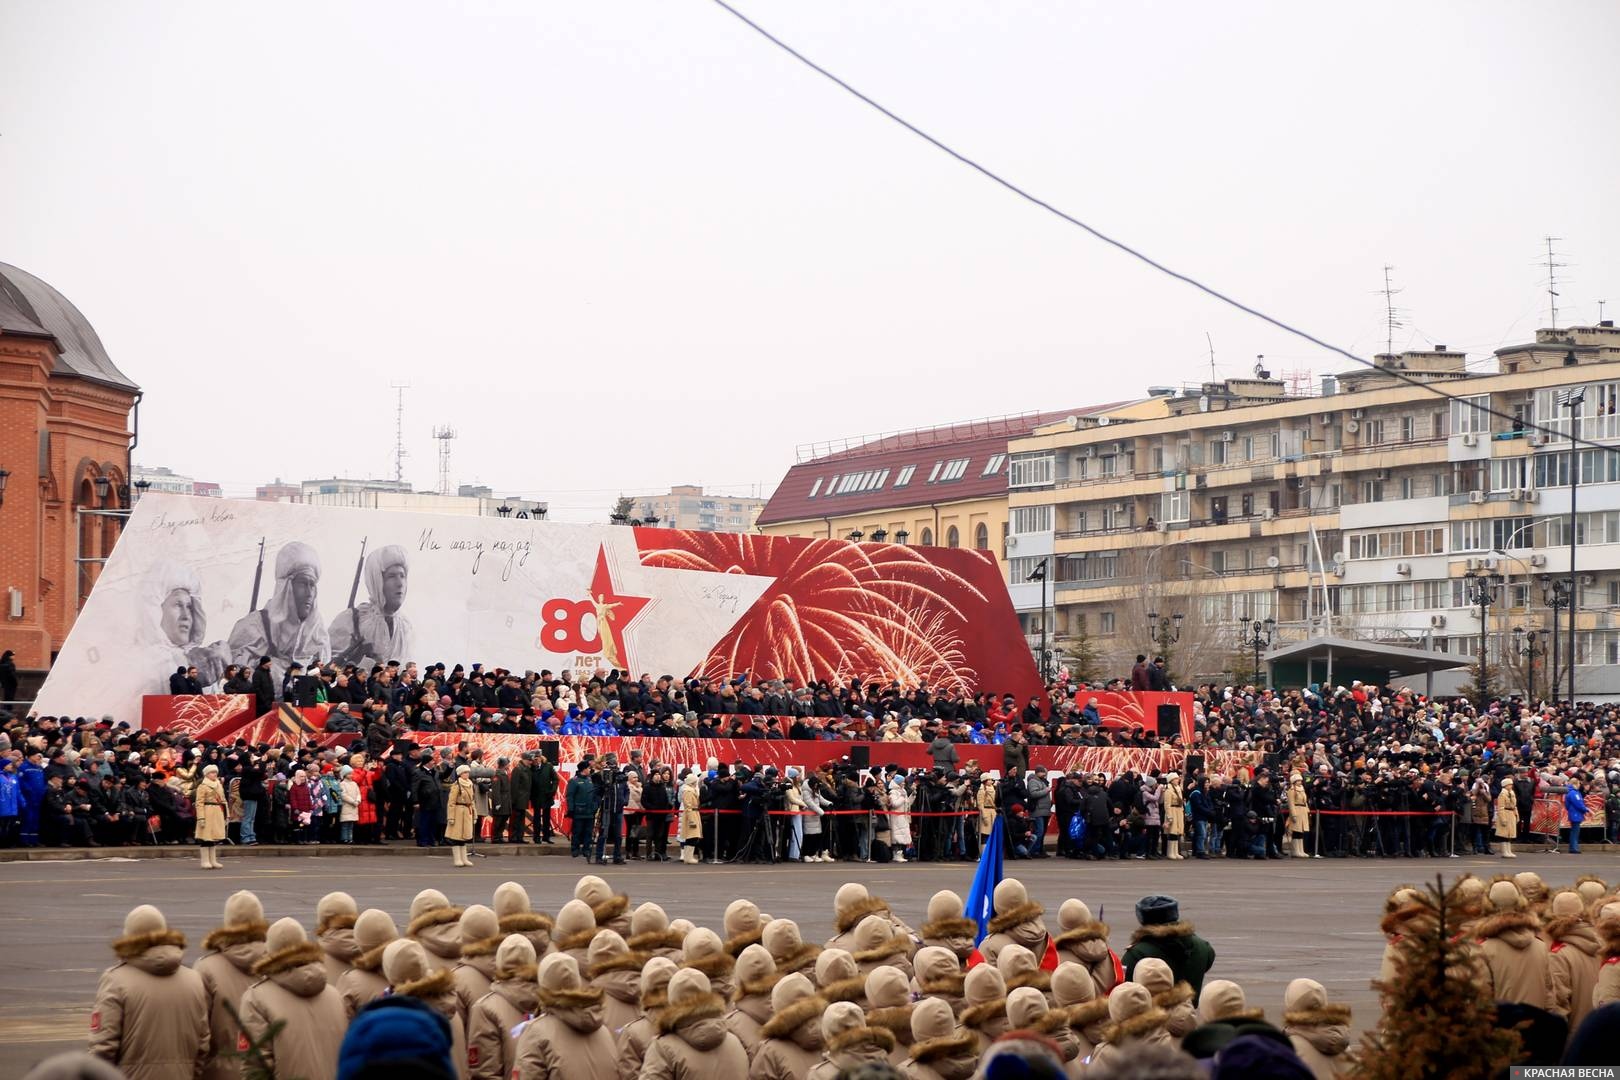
(444, 434)
(1392, 315)
(399, 429)
(1600, 309)
(1212, 376)
(1552, 266)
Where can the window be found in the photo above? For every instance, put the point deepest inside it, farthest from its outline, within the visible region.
(815, 487)
(1468, 535)
(933, 474)
(1372, 432)
(1080, 520)
(994, 464)
(1105, 623)
(1512, 533)
(952, 537)
(1246, 447)
(1032, 519)
(1408, 429)
(1247, 503)
(981, 537)
(1108, 465)
(1468, 415)
(1405, 485)
(1469, 476)
(1019, 569)
(1217, 451)
(948, 470)
(1157, 458)
(1030, 470)
(1437, 425)
(1274, 444)
(1372, 491)
(1175, 506)
(905, 476)
(1088, 566)
(927, 537)
(1115, 517)
(1397, 543)
(1510, 473)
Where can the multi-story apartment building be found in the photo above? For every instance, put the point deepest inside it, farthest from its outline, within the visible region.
(1360, 511)
(687, 506)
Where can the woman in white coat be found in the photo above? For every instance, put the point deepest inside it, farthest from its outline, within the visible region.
(899, 818)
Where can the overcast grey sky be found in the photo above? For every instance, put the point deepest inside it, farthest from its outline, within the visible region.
(626, 244)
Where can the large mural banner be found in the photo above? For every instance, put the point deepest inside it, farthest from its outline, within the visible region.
(207, 582)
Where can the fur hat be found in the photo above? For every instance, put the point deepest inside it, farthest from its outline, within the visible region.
(649, 918)
(1072, 984)
(1025, 1006)
(873, 932)
(742, 917)
(559, 971)
(700, 943)
(1157, 910)
(145, 919)
(1505, 896)
(606, 945)
(688, 984)
(1015, 960)
(1010, 893)
(945, 905)
(1154, 974)
(332, 905)
(1074, 913)
(655, 975)
(782, 938)
(841, 1016)
(931, 1018)
(1220, 999)
(789, 990)
(515, 954)
(1531, 885)
(242, 908)
(983, 983)
(284, 934)
(681, 926)
(1591, 888)
(1564, 903)
(574, 918)
(477, 923)
(427, 900)
(887, 987)
(405, 961)
(848, 895)
(373, 929)
(835, 965)
(1130, 999)
(511, 899)
(753, 964)
(593, 890)
(933, 963)
(1302, 995)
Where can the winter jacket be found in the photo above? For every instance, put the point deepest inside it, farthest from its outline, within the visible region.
(438, 931)
(491, 1046)
(210, 801)
(151, 1014)
(1190, 957)
(1515, 958)
(458, 827)
(1507, 814)
(694, 1042)
(362, 983)
(1087, 945)
(856, 1047)
(227, 972)
(1321, 1037)
(567, 1041)
(790, 1042)
(1174, 811)
(1573, 958)
(292, 988)
(954, 1057)
(351, 800)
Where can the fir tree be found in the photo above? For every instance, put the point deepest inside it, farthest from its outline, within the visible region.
(1439, 1020)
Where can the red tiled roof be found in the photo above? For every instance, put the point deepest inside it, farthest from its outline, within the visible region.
(869, 476)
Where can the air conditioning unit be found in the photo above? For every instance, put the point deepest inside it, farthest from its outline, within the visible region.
(1470, 439)
(1538, 560)
(1437, 621)
(1357, 414)
(1337, 570)
(1226, 436)
(1327, 417)
(1351, 426)
(1488, 563)
(1532, 495)
(1267, 513)
(1470, 564)
(1516, 494)
(1119, 448)
(1476, 497)
(1012, 542)
(1404, 569)
(1090, 451)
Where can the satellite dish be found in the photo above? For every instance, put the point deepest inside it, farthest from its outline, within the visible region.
(1352, 426)
(1273, 562)
(1073, 422)
(1102, 421)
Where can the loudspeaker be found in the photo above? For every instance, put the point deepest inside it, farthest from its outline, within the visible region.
(551, 750)
(860, 757)
(1195, 763)
(1169, 721)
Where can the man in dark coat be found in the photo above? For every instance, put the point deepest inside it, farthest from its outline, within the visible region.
(1140, 679)
(1162, 934)
(264, 687)
(522, 785)
(500, 800)
(542, 793)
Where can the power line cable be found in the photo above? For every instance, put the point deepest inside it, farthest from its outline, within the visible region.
(1186, 279)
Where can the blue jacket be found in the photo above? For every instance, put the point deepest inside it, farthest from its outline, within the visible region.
(31, 783)
(10, 796)
(1203, 809)
(1575, 806)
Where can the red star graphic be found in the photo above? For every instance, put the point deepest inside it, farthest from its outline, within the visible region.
(614, 613)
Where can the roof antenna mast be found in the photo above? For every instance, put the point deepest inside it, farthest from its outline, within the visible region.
(1212, 375)
(399, 429)
(1392, 316)
(1552, 266)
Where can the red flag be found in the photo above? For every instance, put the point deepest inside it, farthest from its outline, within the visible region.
(1049, 959)
(975, 958)
(1119, 968)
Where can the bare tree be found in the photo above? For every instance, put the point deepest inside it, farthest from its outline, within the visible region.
(1159, 584)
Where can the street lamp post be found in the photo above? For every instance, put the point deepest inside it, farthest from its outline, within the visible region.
(1259, 637)
(1556, 593)
(1528, 642)
(1040, 574)
(1571, 399)
(1164, 632)
(1480, 593)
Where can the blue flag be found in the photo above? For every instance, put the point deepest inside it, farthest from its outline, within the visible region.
(980, 904)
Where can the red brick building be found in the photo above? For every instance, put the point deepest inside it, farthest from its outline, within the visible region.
(66, 418)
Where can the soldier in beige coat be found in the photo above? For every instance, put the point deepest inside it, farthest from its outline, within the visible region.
(938, 974)
(850, 1042)
(631, 1045)
(650, 934)
(611, 910)
(374, 931)
(888, 1006)
(435, 925)
(703, 951)
(567, 1041)
(517, 916)
(334, 931)
(1319, 1031)
(1573, 957)
(877, 944)
(1084, 940)
(1020, 969)
(1017, 921)
(790, 1042)
(209, 800)
(411, 973)
(1513, 954)
(693, 1040)
(292, 991)
(742, 926)
(788, 948)
(946, 927)
(574, 929)
(230, 951)
(751, 1001)
(1175, 998)
(984, 994)
(851, 904)
(1223, 1001)
(615, 971)
(1507, 819)
(1607, 921)
(1133, 1022)
(938, 1050)
(512, 999)
(1173, 808)
(150, 1017)
(1029, 1010)
(838, 979)
(480, 936)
